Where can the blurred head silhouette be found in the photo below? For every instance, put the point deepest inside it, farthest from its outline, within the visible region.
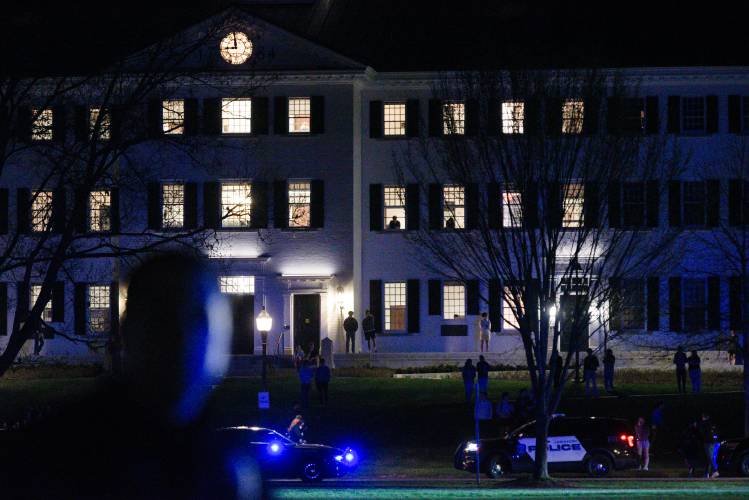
(176, 334)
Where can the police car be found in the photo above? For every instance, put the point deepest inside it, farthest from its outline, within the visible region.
(585, 444)
(280, 457)
(733, 457)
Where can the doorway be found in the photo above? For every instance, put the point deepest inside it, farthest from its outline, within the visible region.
(307, 321)
(243, 322)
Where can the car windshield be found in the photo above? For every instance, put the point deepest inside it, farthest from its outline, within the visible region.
(269, 435)
(523, 429)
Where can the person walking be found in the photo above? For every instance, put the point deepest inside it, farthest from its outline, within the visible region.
(322, 379)
(590, 371)
(350, 326)
(608, 370)
(482, 370)
(680, 361)
(485, 332)
(642, 436)
(469, 376)
(368, 327)
(710, 438)
(305, 379)
(695, 372)
(691, 447)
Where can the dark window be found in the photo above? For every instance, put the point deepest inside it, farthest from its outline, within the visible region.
(633, 304)
(633, 114)
(694, 203)
(693, 114)
(633, 204)
(694, 300)
(745, 113)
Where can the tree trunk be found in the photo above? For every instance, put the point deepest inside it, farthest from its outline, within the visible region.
(541, 465)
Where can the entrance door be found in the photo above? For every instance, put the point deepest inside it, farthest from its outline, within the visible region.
(243, 319)
(567, 311)
(307, 321)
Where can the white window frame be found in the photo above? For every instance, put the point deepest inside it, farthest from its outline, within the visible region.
(236, 204)
(99, 309)
(41, 128)
(300, 203)
(627, 303)
(394, 203)
(512, 207)
(573, 114)
(236, 116)
(300, 108)
(173, 116)
(100, 211)
(513, 117)
(34, 292)
(394, 119)
(573, 201)
(454, 205)
(395, 296)
(509, 322)
(41, 211)
(105, 123)
(237, 285)
(453, 117)
(172, 205)
(453, 300)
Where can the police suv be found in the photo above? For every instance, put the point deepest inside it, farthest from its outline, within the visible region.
(586, 444)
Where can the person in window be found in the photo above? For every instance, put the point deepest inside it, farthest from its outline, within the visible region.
(469, 377)
(322, 379)
(710, 437)
(450, 223)
(482, 369)
(368, 326)
(394, 223)
(642, 436)
(695, 372)
(680, 361)
(485, 332)
(608, 370)
(350, 326)
(590, 371)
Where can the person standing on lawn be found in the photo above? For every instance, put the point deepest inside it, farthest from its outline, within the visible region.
(590, 371)
(368, 327)
(680, 361)
(695, 372)
(469, 376)
(710, 438)
(350, 326)
(482, 369)
(322, 379)
(305, 380)
(642, 436)
(608, 370)
(485, 332)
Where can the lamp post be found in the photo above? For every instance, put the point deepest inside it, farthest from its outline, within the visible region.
(339, 302)
(264, 323)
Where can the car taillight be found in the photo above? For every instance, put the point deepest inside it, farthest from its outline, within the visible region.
(629, 439)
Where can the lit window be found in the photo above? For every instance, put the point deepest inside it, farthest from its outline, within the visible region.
(395, 306)
(36, 290)
(41, 211)
(299, 115)
(513, 115)
(41, 129)
(453, 300)
(237, 284)
(99, 210)
(453, 118)
(512, 208)
(572, 116)
(633, 304)
(694, 203)
(236, 204)
(236, 116)
(694, 114)
(173, 116)
(299, 204)
(98, 308)
(100, 117)
(395, 207)
(694, 304)
(509, 321)
(395, 118)
(573, 205)
(745, 113)
(633, 204)
(172, 206)
(453, 209)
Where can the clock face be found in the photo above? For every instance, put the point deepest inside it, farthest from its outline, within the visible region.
(236, 48)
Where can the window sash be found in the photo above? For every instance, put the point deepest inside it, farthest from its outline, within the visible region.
(694, 203)
(237, 285)
(300, 199)
(41, 129)
(509, 322)
(395, 306)
(453, 206)
(173, 206)
(173, 116)
(693, 110)
(41, 211)
(632, 310)
(513, 117)
(299, 115)
(512, 208)
(572, 206)
(99, 309)
(394, 203)
(633, 204)
(572, 116)
(695, 304)
(105, 124)
(394, 119)
(453, 301)
(99, 211)
(236, 204)
(453, 118)
(35, 291)
(236, 116)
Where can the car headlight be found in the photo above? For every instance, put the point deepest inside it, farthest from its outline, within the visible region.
(338, 458)
(348, 457)
(471, 447)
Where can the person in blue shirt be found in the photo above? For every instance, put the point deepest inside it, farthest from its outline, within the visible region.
(469, 377)
(322, 379)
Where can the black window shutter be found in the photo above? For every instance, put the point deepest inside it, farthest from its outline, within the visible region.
(259, 116)
(114, 209)
(472, 297)
(494, 117)
(674, 203)
(191, 205)
(713, 202)
(154, 206)
(554, 210)
(734, 303)
(80, 306)
(24, 120)
(435, 118)
(22, 300)
(192, 117)
(613, 115)
(114, 308)
(375, 303)
(376, 119)
(80, 213)
(412, 118)
(280, 115)
(529, 198)
(280, 204)
(4, 212)
(59, 123)
(58, 302)
(376, 216)
(734, 202)
(259, 205)
(652, 115)
(435, 297)
(654, 304)
(435, 206)
(615, 205)
(615, 304)
(317, 203)
(413, 208)
(317, 114)
(531, 297)
(674, 114)
(494, 205)
(553, 116)
(23, 199)
(58, 210)
(413, 305)
(116, 123)
(713, 303)
(81, 123)
(472, 117)
(3, 309)
(495, 304)
(154, 116)
(212, 116)
(591, 205)
(734, 114)
(711, 122)
(472, 206)
(591, 111)
(653, 200)
(212, 205)
(674, 304)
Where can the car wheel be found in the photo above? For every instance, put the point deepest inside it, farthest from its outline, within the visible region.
(311, 472)
(599, 465)
(743, 464)
(497, 467)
